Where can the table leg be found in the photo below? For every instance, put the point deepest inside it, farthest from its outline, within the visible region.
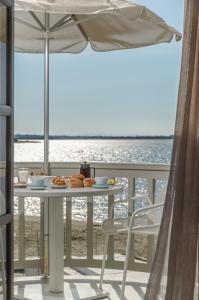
(44, 229)
(110, 253)
(90, 229)
(56, 245)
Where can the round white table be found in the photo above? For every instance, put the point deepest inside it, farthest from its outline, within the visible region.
(56, 225)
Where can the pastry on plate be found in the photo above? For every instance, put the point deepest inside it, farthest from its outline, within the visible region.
(58, 180)
(38, 174)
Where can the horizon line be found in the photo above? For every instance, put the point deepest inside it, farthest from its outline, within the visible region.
(40, 136)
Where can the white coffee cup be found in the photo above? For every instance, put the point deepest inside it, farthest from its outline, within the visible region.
(41, 180)
(23, 174)
(101, 180)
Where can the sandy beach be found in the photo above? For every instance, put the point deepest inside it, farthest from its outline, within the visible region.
(79, 233)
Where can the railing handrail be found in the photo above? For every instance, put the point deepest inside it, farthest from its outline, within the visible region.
(101, 165)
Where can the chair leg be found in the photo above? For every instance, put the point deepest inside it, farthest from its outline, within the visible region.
(2, 258)
(126, 264)
(104, 260)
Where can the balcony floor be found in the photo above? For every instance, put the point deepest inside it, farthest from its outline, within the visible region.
(80, 283)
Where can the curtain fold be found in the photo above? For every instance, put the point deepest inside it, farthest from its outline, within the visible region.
(174, 274)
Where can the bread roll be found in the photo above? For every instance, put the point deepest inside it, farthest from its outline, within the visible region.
(76, 182)
(79, 176)
(89, 182)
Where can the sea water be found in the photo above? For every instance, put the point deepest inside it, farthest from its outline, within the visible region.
(121, 151)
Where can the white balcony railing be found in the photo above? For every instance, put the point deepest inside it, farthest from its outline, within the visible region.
(83, 237)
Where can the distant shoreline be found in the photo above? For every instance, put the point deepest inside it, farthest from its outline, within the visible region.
(29, 137)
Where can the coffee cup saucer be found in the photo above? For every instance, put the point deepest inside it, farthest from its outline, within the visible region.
(101, 186)
(37, 187)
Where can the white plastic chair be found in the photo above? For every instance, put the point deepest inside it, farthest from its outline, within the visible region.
(145, 220)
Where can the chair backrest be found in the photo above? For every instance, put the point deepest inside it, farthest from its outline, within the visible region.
(161, 196)
(148, 217)
(147, 220)
(142, 200)
(154, 215)
(138, 201)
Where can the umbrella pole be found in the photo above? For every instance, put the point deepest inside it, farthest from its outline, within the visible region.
(46, 146)
(46, 96)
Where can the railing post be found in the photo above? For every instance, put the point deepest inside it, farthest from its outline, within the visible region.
(110, 252)
(21, 225)
(150, 238)
(151, 189)
(131, 208)
(68, 229)
(131, 193)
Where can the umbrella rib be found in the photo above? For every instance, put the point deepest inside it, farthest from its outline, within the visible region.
(83, 20)
(37, 20)
(81, 29)
(60, 23)
(21, 21)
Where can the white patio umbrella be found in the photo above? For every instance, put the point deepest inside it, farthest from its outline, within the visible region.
(66, 26)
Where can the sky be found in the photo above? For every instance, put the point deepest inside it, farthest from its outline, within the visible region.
(130, 92)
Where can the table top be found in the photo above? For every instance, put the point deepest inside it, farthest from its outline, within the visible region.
(68, 192)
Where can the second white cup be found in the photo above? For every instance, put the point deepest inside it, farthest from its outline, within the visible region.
(101, 180)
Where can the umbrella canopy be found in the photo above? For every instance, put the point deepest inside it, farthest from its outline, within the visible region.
(106, 25)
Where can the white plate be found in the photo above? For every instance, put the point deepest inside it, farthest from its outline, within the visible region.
(20, 185)
(54, 186)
